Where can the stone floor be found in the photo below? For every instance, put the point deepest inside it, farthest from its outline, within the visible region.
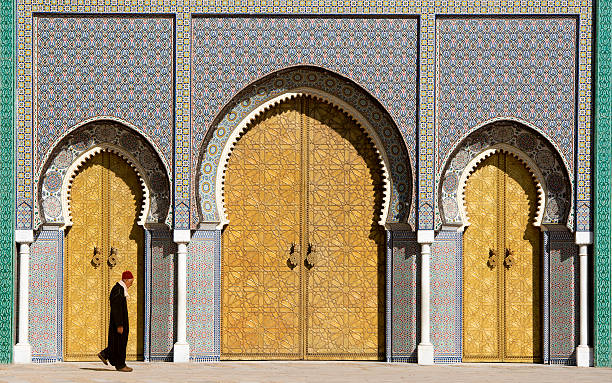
(298, 372)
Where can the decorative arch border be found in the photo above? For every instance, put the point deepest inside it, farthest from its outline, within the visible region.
(323, 85)
(522, 157)
(541, 158)
(89, 139)
(261, 109)
(78, 164)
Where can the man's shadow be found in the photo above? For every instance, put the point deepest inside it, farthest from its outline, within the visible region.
(97, 369)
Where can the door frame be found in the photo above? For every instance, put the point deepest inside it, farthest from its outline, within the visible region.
(73, 170)
(540, 186)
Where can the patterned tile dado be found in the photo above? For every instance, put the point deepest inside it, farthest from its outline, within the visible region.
(446, 277)
(522, 68)
(87, 67)
(279, 83)
(86, 137)
(46, 297)
(162, 290)
(558, 186)
(231, 53)
(563, 292)
(202, 333)
(404, 299)
(7, 177)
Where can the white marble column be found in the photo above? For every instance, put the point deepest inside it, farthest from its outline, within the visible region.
(584, 353)
(22, 351)
(181, 347)
(425, 351)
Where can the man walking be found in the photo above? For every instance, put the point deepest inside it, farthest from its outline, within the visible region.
(119, 325)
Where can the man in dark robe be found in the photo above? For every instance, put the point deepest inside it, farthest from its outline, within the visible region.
(119, 325)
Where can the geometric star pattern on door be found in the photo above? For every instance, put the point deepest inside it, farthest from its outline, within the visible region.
(303, 253)
(106, 197)
(501, 264)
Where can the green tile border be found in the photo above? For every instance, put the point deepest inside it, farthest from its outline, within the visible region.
(603, 209)
(7, 88)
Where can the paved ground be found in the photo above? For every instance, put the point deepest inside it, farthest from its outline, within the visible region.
(301, 372)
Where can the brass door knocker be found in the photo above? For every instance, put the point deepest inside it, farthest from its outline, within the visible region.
(311, 258)
(492, 262)
(509, 258)
(96, 260)
(294, 257)
(112, 258)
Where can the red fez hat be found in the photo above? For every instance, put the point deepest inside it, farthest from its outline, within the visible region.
(127, 275)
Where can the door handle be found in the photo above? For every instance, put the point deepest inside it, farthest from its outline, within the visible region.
(294, 257)
(492, 262)
(112, 258)
(311, 258)
(509, 258)
(96, 260)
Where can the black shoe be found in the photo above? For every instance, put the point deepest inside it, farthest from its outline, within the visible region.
(102, 358)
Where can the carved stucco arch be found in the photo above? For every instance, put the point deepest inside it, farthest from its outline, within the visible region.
(327, 87)
(78, 164)
(82, 143)
(536, 175)
(320, 96)
(537, 153)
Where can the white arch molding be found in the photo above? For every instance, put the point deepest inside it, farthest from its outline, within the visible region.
(536, 174)
(287, 95)
(82, 159)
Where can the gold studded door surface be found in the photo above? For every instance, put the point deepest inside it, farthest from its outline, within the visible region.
(501, 264)
(344, 273)
(260, 278)
(302, 255)
(126, 244)
(85, 309)
(523, 340)
(481, 305)
(105, 200)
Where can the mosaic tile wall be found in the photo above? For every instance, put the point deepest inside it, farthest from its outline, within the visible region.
(405, 307)
(204, 252)
(401, 208)
(506, 67)
(559, 196)
(104, 66)
(163, 293)
(46, 297)
(446, 315)
(83, 139)
(563, 293)
(229, 54)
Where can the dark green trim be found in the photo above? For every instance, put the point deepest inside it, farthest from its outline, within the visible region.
(603, 209)
(7, 200)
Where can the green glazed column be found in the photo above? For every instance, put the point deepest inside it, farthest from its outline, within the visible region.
(7, 89)
(603, 208)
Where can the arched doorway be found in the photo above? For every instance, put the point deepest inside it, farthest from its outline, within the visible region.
(303, 253)
(501, 264)
(104, 240)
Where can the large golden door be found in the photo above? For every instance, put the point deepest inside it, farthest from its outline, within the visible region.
(501, 264)
(104, 240)
(302, 274)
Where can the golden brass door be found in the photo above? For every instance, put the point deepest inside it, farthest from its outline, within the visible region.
(103, 241)
(501, 264)
(302, 270)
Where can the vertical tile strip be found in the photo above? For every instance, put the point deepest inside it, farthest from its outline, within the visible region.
(603, 208)
(546, 297)
(147, 294)
(7, 60)
(388, 302)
